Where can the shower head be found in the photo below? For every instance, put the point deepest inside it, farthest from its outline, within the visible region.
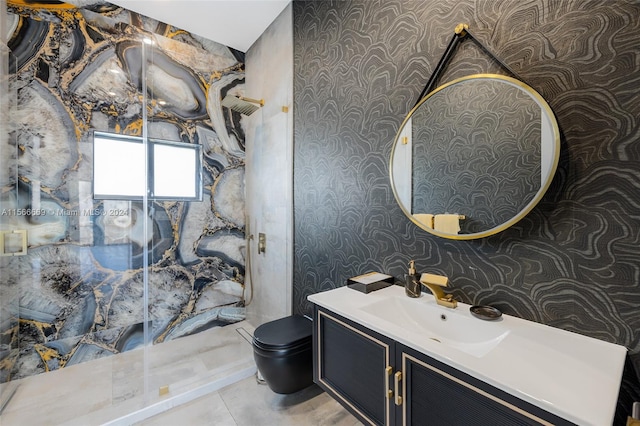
(241, 104)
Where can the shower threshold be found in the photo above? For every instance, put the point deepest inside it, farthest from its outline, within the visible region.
(124, 389)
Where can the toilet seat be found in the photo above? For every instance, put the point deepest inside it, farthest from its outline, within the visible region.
(284, 333)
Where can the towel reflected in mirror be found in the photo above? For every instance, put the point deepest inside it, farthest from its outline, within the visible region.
(425, 219)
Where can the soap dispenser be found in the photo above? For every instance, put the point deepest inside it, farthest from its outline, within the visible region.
(412, 286)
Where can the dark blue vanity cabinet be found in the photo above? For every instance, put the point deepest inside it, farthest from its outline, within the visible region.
(383, 382)
(354, 365)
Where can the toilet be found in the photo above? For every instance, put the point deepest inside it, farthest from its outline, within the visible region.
(282, 350)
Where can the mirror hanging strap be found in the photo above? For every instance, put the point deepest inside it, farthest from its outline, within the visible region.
(460, 32)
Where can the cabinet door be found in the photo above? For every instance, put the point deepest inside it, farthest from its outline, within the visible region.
(437, 394)
(353, 365)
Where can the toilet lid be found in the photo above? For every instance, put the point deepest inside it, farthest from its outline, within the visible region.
(283, 332)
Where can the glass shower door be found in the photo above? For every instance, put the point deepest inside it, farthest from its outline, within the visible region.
(11, 238)
(72, 289)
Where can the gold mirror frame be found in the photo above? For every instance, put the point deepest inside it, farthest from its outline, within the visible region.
(553, 134)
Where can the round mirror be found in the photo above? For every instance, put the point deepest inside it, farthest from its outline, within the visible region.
(474, 156)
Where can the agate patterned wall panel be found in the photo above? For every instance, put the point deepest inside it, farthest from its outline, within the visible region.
(80, 288)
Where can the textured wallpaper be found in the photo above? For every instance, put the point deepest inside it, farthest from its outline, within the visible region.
(79, 292)
(574, 261)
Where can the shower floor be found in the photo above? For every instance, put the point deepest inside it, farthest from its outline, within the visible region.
(112, 390)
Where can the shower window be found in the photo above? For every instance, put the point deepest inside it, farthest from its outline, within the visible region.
(175, 169)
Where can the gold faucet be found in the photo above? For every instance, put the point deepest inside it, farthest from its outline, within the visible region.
(435, 283)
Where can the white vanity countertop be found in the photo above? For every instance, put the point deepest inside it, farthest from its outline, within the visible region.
(567, 374)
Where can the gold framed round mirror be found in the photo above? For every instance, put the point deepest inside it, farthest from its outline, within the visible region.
(474, 156)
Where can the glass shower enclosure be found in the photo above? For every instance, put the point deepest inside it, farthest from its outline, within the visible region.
(122, 214)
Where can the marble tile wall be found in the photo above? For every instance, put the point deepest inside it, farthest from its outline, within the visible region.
(574, 261)
(79, 291)
(269, 179)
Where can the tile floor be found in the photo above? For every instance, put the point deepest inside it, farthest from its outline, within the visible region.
(211, 379)
(247, 403)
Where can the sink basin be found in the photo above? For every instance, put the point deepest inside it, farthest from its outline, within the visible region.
(452, 327)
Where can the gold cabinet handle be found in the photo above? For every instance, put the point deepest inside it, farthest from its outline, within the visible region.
(387, 376)
(397, 380)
